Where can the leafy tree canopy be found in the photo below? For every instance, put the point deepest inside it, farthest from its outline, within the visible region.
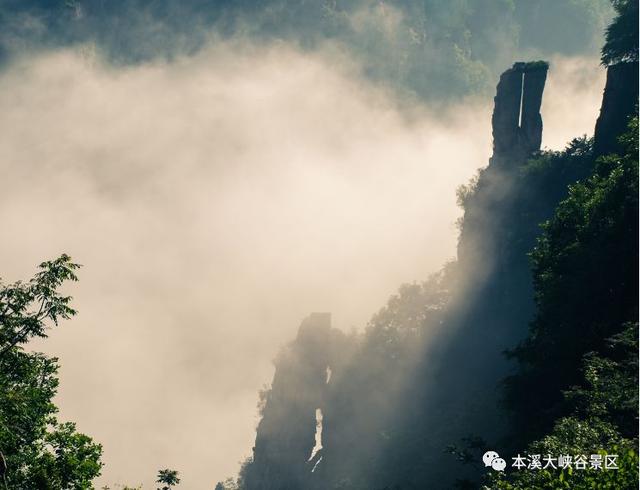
(169, 478)
(40, 451)
(622, 34)
(578, 375)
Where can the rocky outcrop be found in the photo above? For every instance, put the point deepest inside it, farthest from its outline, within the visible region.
(286, 435)
(516, 120)
(619, 102)
(517, 135)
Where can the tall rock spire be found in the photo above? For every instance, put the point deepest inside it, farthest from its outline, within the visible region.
(516, 120)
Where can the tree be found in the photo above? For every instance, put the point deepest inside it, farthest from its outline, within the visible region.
(40, 451)
(604, 421)
(169, 478)
(26, 308)
(586, 288)
(622, 34)
(577, 388)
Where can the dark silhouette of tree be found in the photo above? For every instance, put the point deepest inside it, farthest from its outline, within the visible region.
(26, 308)
(169, 478)
(585, 284)
(622, 34)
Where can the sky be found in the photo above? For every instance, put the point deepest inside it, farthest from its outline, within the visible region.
(214, 200)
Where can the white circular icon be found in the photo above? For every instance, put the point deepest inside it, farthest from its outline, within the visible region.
(489, 456)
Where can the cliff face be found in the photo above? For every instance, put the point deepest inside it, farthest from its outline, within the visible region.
(618, 103)
(517, 135)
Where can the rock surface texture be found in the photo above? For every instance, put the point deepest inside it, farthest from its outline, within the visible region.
(516, 120)
(286, 435)
(618, 103)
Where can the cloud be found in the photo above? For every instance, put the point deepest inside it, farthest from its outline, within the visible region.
(572, 98)
(215, 201)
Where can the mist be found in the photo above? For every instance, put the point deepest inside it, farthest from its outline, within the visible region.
(215, 200)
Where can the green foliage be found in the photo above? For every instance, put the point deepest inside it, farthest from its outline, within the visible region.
(586, 288)
(574, 436)
(622, 34)
(396, 329)
(72, 460)
(25, 308)
(507, 205)
(169, 478)
(624, 478)
(578, 377)
(465, 191)
(534, 65)
(40, 452)
(610, 390)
